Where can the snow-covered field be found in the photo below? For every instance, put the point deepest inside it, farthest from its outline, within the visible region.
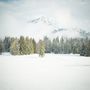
(52, 72)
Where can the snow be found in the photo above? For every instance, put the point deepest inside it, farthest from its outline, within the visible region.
(6, 54)
(68, 33)
(52, 72)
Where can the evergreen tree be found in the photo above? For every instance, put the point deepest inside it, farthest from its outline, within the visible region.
(22, 45)
(54, 45)
(7, 42)
(62, 45)
(66, 46)
(1, 46)
(12, 39)
(31, 46)
(78, 45)
(41, 48)
(27, 45)
(83, 50)
(14, 48)
(47, 45)
(87, 48)
(34, 45)
(71, 45)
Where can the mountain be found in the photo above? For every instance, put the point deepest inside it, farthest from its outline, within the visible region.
(45, 20)
(70, 33)
(37, 28)
(51, 29)
(42, 26)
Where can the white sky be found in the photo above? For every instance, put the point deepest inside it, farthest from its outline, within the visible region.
(14, 14)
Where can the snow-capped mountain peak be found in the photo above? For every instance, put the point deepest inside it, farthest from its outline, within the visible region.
(39, 19)
(45, 20)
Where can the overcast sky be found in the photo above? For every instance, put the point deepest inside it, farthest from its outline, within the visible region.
(68, 13)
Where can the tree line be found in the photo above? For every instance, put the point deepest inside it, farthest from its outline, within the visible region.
(26, 46)
(66, 46)
(22, 46)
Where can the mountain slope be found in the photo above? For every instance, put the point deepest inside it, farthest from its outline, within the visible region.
(37, 28)
(52, 30)
(70, 33)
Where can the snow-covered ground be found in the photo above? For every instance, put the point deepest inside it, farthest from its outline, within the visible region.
(52, 72)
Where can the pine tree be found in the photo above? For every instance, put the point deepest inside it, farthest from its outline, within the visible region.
(14, 48)
(72, 45)
(31, 46)
(34, 45)
(41, 48)
(22, 46)
(54, 45)
(47, 45)
(62, 45)
(83, 50)
(88, 48)
(1, 46)
(7, 42)
(66, 46)
(57, 47)
(27, 45)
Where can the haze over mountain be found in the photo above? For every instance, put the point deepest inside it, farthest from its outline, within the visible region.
(37, 18)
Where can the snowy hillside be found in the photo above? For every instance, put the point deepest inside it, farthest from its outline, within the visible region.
(70, 33)
(51, 28)
(45, 20)
(42, 26)
(37, 28)
(53, 72)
